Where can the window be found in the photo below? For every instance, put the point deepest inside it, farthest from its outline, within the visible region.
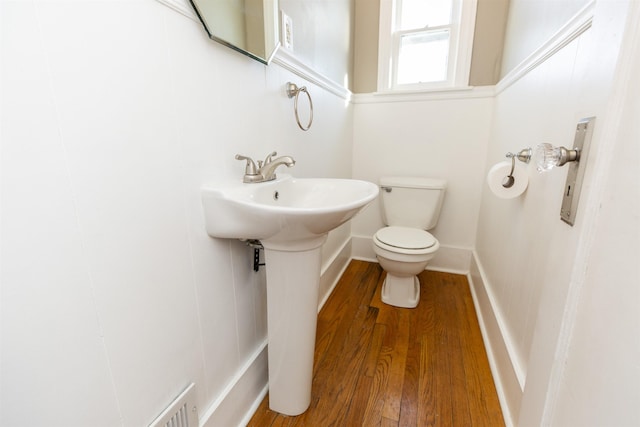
(425, 44)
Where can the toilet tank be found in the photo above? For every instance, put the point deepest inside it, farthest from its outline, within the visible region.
(411, 201)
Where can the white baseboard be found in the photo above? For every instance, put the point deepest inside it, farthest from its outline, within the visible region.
(242, 396)
(449, 259)
(332, 271)
(507, 375)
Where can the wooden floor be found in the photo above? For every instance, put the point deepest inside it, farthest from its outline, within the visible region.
(378, 365)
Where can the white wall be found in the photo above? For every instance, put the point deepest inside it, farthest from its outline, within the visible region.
(530, 265)
(113, 296)
(558, 304)
(532, 23)
(443, 136)
(599, 382)
(323, 35)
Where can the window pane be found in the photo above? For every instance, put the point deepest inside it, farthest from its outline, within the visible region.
(421, 13)
(423, 57)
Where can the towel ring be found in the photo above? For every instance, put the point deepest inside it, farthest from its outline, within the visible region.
(293, 91)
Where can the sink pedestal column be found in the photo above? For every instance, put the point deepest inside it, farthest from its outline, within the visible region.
(293, 279)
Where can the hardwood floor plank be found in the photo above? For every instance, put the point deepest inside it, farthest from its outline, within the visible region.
(441, 354)
(375, 346)
(340, 306)
(282, 422)
(483, 400)
(352, 325)
(427, 410)
(263, 415)
(393, 393)
(337, 317)
(457, 377)
(386, 422)
(426, 401)
(378, 365)
(410, 389)
(358, 406)
(334, 403)
(375, 403)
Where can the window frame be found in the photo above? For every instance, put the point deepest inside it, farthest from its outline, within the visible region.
(460, 47)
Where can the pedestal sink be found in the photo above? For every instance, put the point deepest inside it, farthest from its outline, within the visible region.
(291, 217)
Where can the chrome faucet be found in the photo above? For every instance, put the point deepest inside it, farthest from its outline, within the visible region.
(265, 170)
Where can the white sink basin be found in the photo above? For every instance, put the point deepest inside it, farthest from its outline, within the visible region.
(283, 211)
(291, 217)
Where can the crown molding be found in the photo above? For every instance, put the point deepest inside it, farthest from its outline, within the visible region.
(287, 60)
(577, 25)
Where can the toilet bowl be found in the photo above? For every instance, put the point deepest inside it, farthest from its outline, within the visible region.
(410, 207)
(403, 252)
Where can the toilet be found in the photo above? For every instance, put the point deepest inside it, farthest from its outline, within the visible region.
(410, 206)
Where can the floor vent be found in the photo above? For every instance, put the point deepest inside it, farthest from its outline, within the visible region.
(182, 412)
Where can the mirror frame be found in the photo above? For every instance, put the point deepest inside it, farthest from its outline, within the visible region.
(265, 60)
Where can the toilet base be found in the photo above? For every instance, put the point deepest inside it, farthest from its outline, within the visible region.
(401, 291)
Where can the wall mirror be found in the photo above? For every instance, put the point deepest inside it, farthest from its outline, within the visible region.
(248, 26)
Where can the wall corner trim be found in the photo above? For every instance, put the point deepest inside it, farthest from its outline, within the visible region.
(577, 25)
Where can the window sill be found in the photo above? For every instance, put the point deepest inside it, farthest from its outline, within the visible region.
(459, 92)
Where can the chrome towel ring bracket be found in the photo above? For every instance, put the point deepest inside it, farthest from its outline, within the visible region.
(293, 91)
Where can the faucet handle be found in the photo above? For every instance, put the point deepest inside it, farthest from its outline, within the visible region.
(268, 159)
(250, 168)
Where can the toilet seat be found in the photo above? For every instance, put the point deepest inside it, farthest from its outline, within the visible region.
(405, 240)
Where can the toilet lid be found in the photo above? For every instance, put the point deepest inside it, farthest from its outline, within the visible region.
(405, 237)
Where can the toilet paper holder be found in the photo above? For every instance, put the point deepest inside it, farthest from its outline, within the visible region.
(523, 155)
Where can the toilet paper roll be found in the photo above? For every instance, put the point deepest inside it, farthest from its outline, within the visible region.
(498, 173)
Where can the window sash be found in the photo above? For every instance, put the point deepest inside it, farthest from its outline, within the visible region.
(438, 19)
(461, 41)
(396, 57)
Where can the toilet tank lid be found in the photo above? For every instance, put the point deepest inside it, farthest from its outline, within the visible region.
(412, 182)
